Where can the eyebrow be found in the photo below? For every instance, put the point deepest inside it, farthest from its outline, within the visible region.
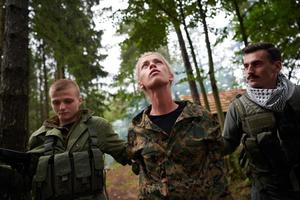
(145, 62)
(157, 59)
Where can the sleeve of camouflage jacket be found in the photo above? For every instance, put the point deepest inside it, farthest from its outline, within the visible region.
(232, 132)
(110, 143)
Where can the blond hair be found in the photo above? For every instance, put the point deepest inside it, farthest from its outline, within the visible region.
(137, 66)
(63, 84)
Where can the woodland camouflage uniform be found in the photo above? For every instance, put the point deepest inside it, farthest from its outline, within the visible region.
(185, 165)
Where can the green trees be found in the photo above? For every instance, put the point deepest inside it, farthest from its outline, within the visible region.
(65, 44)
(148, 25)
(267, 21)
(279, 26)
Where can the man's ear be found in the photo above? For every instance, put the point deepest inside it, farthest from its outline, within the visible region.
(80, 100)
(141, 86)
(171, 77)
(278, 65)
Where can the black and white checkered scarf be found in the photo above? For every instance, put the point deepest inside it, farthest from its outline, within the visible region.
(273, 99)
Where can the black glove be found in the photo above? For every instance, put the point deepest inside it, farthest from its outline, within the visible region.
(13, 181)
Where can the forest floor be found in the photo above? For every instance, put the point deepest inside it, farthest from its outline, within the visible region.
(122, 184)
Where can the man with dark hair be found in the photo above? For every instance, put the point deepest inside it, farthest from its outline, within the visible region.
(70, 147)
(266, 121)
(175, 145)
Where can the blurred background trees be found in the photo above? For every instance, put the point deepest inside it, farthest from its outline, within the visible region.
(63, 39)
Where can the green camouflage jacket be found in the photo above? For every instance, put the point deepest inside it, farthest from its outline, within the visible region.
(185, 165)
(78, 140)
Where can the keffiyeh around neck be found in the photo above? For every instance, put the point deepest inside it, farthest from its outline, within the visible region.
(273, 99)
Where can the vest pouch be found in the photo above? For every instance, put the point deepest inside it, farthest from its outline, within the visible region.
(82, 170)
(256, 156)
(258, 123)
(295, 177)
(271, 148)
(42, 184)
(97, 170)
(62, 175)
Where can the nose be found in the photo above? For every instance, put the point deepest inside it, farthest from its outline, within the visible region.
(62, 106)
(249, 69)
(152, 65)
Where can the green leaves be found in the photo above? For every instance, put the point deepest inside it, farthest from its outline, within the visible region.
(70, 49)
(67, 29)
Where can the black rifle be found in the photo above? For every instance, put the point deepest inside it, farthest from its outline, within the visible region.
(24, 163)
(18, 178)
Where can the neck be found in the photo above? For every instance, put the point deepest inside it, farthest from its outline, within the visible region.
(161, 100)
(63, 123)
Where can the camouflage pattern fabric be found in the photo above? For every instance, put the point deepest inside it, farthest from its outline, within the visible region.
(185, 165)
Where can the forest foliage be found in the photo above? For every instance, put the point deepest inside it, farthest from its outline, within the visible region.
(42, 40)
(148, 26)
(64, 42)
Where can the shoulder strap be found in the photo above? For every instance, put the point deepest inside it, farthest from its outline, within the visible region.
(96, 154)
(93, 138)
(242, 113)
(240, 107)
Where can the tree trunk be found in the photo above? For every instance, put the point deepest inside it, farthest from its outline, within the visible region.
(2, 19)
(60, 71)
(14, 76)
(188, 67)
(45, 79)
(241, 23)
(14, 82)
(211, 68)
(40, 90)
(199, 77)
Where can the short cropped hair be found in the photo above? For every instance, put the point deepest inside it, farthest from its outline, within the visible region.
(137, 71)
(63, 84)
(273, 52)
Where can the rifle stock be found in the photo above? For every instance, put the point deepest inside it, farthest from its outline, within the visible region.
(24, 163)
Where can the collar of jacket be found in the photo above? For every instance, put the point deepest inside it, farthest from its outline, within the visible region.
(190, 110)
(52, 128)
(83, 116)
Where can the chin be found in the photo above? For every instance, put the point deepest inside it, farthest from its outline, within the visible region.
(253, 84)
(256, 86)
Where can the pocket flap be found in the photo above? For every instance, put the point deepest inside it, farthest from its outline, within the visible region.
(260, 122)
(42, 168)
(81, 164)
(62, 164)
(98, 159)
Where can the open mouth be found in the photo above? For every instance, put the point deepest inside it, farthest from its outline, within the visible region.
(155, 71)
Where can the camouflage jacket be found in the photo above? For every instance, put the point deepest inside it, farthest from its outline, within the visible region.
(77, 140)
(185, 165)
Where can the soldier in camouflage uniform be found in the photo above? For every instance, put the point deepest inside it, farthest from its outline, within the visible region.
(70, 146)
(175, 146)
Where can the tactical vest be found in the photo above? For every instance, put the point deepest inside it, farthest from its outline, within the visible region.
(62, 174)
(265, 140)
